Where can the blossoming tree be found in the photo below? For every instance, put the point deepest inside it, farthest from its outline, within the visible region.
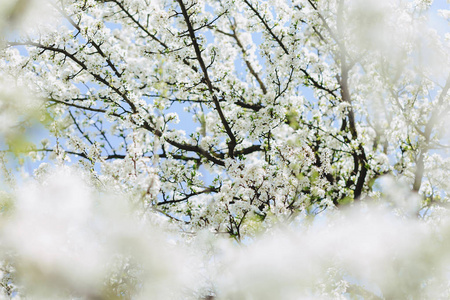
(237, 115)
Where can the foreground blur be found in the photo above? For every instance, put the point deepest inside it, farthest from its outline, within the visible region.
(67, 239)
